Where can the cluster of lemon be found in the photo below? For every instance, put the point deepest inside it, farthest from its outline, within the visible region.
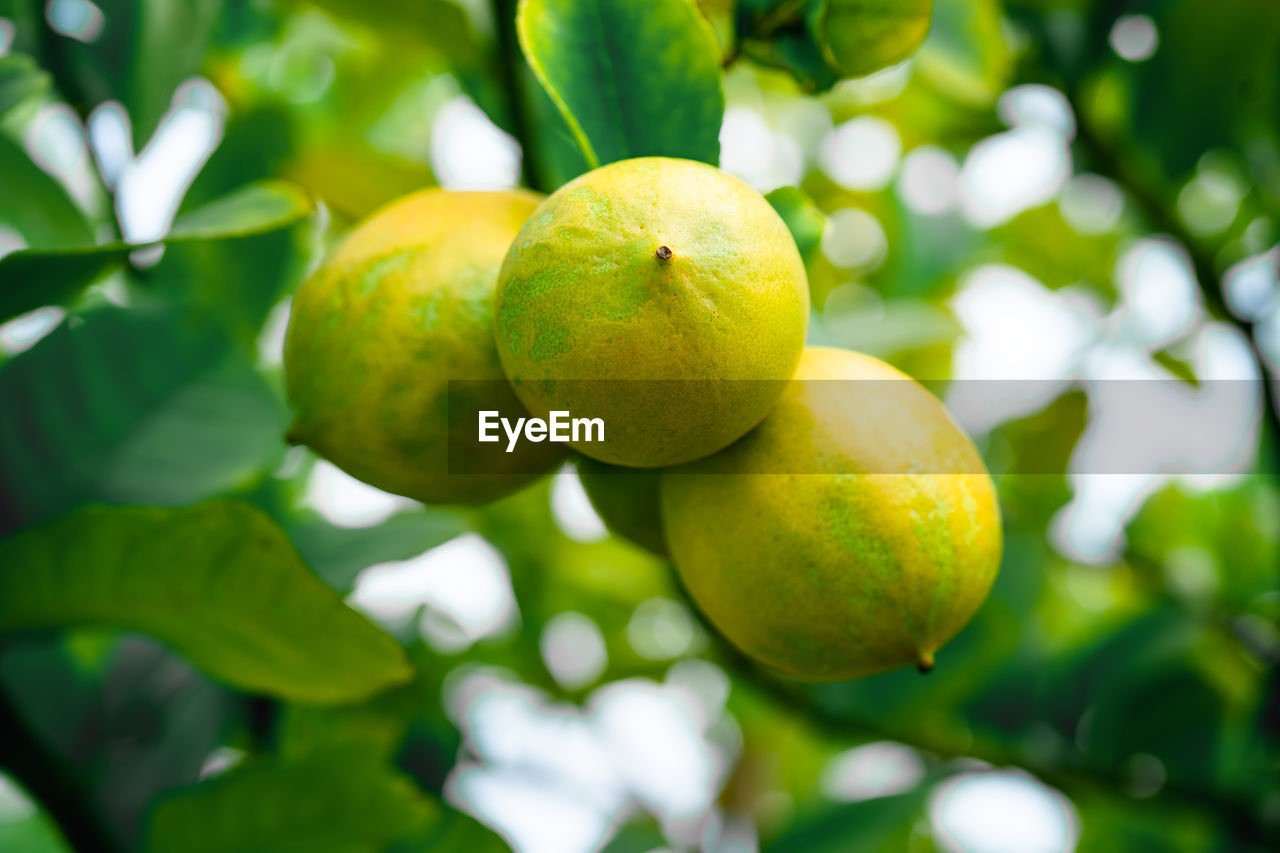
(824, 533)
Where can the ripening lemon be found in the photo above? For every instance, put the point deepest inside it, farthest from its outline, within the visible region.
(635, 291)
(401, 308)
(855, 530)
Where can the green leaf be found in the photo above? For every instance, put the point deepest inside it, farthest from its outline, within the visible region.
(217, 582)
(20, 79)
(338, 802)
(339, 554)
(129, 406)
(861, 36)
(804, 219)
(879, 825)
(32, 278)
(631, 79)
(35, 205)
(23, 825)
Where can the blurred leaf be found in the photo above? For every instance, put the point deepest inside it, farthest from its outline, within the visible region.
(897, 327)
(637, 838)
(20, 79)
(631, 79)
(1040, 242)
(966, 53)
(251, 210)
(132, 716)
(339, 554)
(460, 833)
(31, 278)
(129, 406)
(879, 825)
(355, 181)
(337, 802)
(145, 50)
(1110, 824)
(804, 219)
(219, 582)
(376, 728)
(1221, 545)
(29, 832)
(35, 205)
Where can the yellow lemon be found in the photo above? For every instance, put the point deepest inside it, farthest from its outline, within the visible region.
(660, 295)
(404, 306)
(855, 530)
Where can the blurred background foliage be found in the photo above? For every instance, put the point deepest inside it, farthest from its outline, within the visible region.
(1065, 191)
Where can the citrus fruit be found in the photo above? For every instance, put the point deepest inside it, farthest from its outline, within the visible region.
(404, 306)
(855, 530)
(626, 499)
(660, 295)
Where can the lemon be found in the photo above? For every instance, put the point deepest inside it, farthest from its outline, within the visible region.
(660, 295)
(626, 499)
(855, 530)
(401, 308)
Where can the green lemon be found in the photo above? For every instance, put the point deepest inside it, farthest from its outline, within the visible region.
(626, 499)
(855, 530)
(404, 306)
(660, 295)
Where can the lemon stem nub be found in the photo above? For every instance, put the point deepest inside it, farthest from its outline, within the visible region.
(663, 253)
(924, 662)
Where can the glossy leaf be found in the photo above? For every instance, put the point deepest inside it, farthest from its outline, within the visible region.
(129, 406)
(334, 802)
(31, 278)
(218, 582)
(631, 79)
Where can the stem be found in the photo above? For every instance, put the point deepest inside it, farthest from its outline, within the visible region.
(48, 779)
(510, 61)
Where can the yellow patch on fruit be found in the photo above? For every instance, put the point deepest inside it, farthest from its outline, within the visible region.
(855, 530)
(401, 308)
(633, 290)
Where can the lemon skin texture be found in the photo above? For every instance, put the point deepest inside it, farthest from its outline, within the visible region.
(627, 500)
(402, 307)
(653, 269)
(809, 555)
